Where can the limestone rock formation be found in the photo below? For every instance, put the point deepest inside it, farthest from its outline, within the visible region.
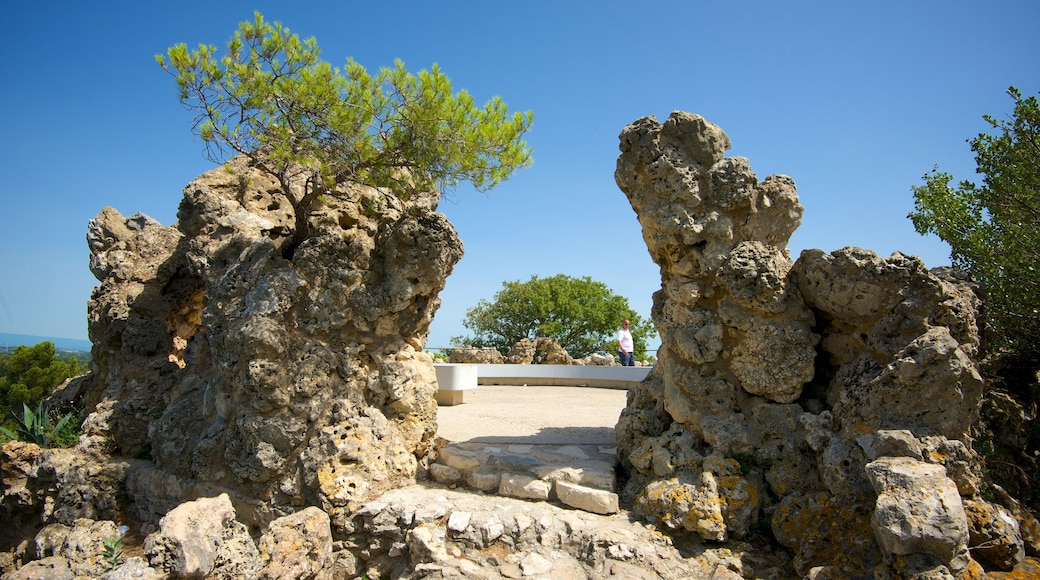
(542, 350)
(474, 355)
(831, 396)
(255, 416)
(282, 383)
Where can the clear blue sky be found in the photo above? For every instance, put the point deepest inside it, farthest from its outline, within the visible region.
(854, 100)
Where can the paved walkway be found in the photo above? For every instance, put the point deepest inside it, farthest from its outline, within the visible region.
(541, 443)
(533, 415)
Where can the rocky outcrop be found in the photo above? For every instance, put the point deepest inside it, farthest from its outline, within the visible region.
(251, 415)
(831, 397)
(282, 383)
(474, 355)
(541, 350)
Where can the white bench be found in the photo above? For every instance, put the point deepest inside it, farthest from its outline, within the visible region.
(561, 375)
(453, 380)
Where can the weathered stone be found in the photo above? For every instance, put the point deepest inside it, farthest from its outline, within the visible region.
(918, 510)
(237, 368)
(891, 443)
(1028, 525)
(200, 536)
(483, 481)
(469, 354)
(81, 546)
(457, 459)
(445, 474)
(689, 504)
(296, 546)
(804, 371)
(134, 568)
(598, 475)
(994, 536)
(597, 501)
(49, 568)
(523, 487)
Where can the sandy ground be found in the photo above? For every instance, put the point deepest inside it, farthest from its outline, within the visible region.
(534, 415)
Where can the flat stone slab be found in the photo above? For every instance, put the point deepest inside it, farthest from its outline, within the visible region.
(536, 415)
(476, 464)
(532, 442)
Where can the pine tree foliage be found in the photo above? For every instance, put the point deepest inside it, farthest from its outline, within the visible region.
(312, 126)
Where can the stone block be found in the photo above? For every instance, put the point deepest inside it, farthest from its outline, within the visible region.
(458, 459)
(523, 487)
(484, 481)
(599, 475)
(592, 500)
(445, 474)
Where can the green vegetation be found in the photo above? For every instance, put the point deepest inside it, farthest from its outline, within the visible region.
(994, 229)
(313, 127)
(35, 427)
(30, 373)
(113, 552)
(994, 234)
(581, 314)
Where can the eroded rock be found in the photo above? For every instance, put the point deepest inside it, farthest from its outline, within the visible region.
(811, 373)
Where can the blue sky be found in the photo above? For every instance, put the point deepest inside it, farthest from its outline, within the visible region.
(854, 100)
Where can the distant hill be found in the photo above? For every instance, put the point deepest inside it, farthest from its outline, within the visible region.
(9, 341)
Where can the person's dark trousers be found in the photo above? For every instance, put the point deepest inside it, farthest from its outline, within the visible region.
(627, 360)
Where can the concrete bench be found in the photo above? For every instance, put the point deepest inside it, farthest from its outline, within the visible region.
(453, 380)
(561, 375)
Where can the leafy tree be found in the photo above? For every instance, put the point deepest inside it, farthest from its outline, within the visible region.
(581, 314)
(994, 229)
(313, 127)
(29, 374)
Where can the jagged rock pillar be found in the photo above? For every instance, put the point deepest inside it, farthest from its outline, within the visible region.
(284, 383)
(779, 383)
(734, 333)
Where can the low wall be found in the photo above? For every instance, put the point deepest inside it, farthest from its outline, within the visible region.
(561, 375)
(454, 379)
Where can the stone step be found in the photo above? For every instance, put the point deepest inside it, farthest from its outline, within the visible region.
(579, 476)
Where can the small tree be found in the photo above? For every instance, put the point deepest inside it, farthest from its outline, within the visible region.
(581, 314)
(30, 374)
(994, 229)
(312, 127)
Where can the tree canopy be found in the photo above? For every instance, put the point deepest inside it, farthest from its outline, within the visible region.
(994, 229)
(29, 374)
(581, 314)
(314, 127)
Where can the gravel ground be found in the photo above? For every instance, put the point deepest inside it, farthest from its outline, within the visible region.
(541, 415)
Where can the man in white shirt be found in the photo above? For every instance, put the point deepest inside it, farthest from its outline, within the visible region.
(625, 345)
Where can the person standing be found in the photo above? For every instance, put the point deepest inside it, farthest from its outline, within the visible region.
(625, 345)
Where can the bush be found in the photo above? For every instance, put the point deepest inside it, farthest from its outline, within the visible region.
(28, 375)
(35, 427)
